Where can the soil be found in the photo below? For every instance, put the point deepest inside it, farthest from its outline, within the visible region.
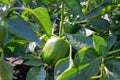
(20, 72)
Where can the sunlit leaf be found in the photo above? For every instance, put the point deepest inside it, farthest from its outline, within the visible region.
(61, 66)
(70, 74)
(91, 69)
(84, 56)
(100, 45)
(43, 18)
(96, 12)
(5, 2)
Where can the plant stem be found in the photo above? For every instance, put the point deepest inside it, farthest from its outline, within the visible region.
(17, 8)
(61, 23)
(1, 53)
(114, 51)
(96, 77)
(100, 76)
(102, 69)
(70, 56)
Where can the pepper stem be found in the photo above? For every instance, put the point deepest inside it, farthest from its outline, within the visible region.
(61, 30)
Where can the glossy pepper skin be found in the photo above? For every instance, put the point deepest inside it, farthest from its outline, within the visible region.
(3, 32)
(55, 49)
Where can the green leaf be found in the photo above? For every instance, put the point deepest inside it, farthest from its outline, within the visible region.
(79, 41)
(36, 73)
(3, 32)
(48, 1)
(96, 11)
(27, 56)
(116, 2)
(5, 2)
(115, 50)
(33, 62)
(43, 19)
(70, 74)
(16, 47)
(19, 49)
(6, 70)
(86, 65)
(85, 56)
(90, 69)
(111, 41)
(74, 5)
(61, 66)
(100, 45)
(22, 29)
(100, 24)
(108, 75)
(113, 65)
(83, 72)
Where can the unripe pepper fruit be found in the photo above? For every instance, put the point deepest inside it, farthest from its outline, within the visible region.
(55, 49)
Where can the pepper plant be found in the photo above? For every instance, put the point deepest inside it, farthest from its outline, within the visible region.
(76, 39)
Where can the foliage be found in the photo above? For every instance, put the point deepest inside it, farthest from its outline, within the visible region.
(91, 27)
